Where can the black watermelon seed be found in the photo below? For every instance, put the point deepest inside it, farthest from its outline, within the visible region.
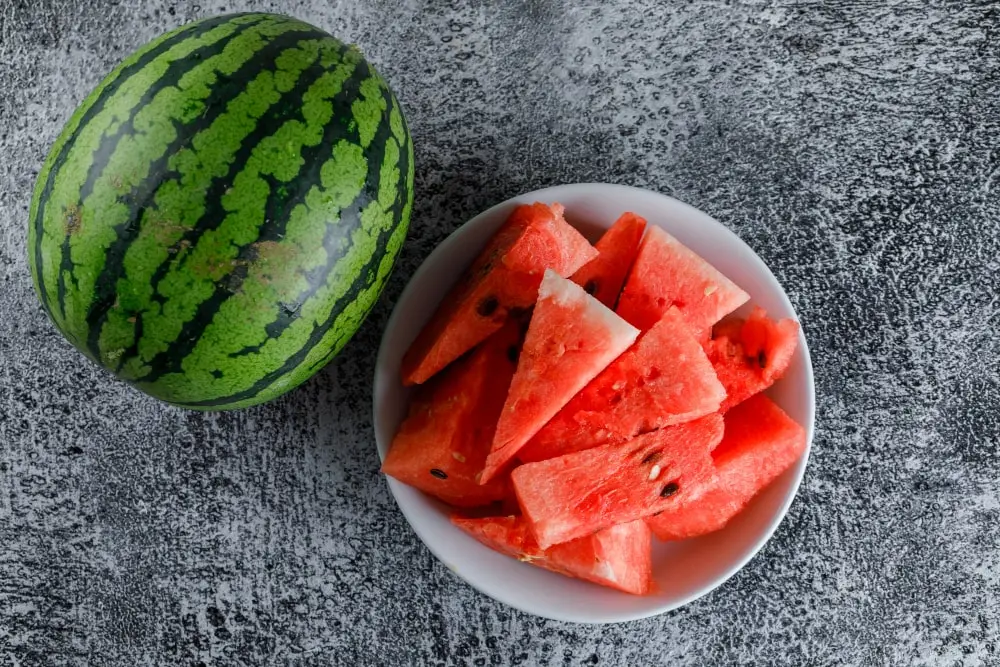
(762, 359)
(513, 353)
(646, 427)
(440, 474)
(488, 306)
(653, 456)
(670, 489)
(590, 287)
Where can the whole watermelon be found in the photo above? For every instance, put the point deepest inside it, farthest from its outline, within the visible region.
(220, 214)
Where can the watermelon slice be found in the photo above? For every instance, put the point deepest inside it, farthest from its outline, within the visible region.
(571, 338)
(603, 276)
(578, 494)
(662, 380)
(760, 443)
(504, 276)
(749, 355)
(667, 273)
(619, 557)
(442, 444)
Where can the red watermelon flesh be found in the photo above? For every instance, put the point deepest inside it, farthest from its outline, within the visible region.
(580, 493)
(504, 276)
(662, 380)
(666, 273)
(571, 338)
(759, 444)
(619, 557)
(603, 276)
(750, 355)
(442, 444)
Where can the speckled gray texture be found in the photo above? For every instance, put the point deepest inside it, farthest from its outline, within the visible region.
(854, 145)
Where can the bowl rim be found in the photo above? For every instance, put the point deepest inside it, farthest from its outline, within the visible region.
(552, 193)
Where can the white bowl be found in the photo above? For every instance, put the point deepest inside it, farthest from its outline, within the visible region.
(683, 570)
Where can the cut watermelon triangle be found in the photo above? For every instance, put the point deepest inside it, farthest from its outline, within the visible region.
(759, 444)
(666, 273)
(578, 494)
(571, 338)
(662, 380)
(603, 276)
(619, 557)
(504, 277)
(442, 445)
(750, 355)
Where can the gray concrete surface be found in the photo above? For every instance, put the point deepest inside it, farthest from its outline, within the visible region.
(854, 145)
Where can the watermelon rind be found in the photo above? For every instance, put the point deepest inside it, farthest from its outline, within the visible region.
(220, 214)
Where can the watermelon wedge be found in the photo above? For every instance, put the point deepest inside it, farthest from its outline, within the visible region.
(666, 273)
(750, 355)
(580, 493)
(442, 444)
(571, 338)
(603, 276)
(662, 380)
(759, 444)
(504, 276)
(619, 557)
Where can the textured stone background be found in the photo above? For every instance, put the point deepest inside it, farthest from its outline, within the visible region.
(854, 145)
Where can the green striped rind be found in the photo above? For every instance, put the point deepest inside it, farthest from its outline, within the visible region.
(220, 215)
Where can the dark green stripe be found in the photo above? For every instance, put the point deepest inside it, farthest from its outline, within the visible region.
(192, 31)
(170, 360)
(363, 280)
(141, 194)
